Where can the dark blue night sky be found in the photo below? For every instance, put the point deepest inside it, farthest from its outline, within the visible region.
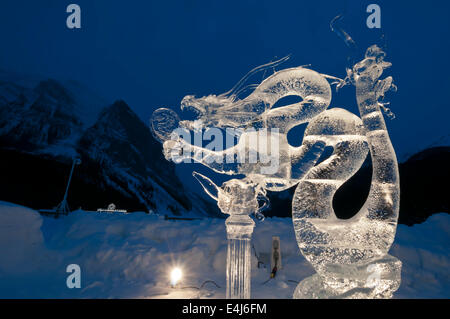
(152, 53)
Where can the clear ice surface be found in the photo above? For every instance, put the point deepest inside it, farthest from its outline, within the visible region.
(350, 256)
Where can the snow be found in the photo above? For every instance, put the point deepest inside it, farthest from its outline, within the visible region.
(131, 256)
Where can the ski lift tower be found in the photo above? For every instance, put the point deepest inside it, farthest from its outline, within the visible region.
(63, 207)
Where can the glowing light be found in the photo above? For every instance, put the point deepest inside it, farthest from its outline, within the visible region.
(175, 276)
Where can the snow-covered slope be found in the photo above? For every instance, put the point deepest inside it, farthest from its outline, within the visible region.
(130, 159)
(45, 116)
(130, 256)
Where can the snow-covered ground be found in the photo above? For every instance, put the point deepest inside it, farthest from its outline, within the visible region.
(130, 256)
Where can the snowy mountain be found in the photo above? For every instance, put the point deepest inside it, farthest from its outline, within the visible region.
(130, 159)
(46, 118)
(36, 118)
(42, 127)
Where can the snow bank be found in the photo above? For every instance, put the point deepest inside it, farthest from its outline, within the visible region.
(130, 256)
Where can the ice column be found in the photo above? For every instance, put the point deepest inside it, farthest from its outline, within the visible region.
(239, 233)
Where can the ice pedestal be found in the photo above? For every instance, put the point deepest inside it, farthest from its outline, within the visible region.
(378, 278)
(239, 233)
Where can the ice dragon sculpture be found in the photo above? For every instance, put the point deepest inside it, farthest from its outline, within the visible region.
(350, 256)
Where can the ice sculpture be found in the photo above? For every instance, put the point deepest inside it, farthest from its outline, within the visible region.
(336, 248)
(350, 256)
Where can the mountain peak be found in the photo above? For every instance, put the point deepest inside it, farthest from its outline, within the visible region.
(118, 110)
(130, 157)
